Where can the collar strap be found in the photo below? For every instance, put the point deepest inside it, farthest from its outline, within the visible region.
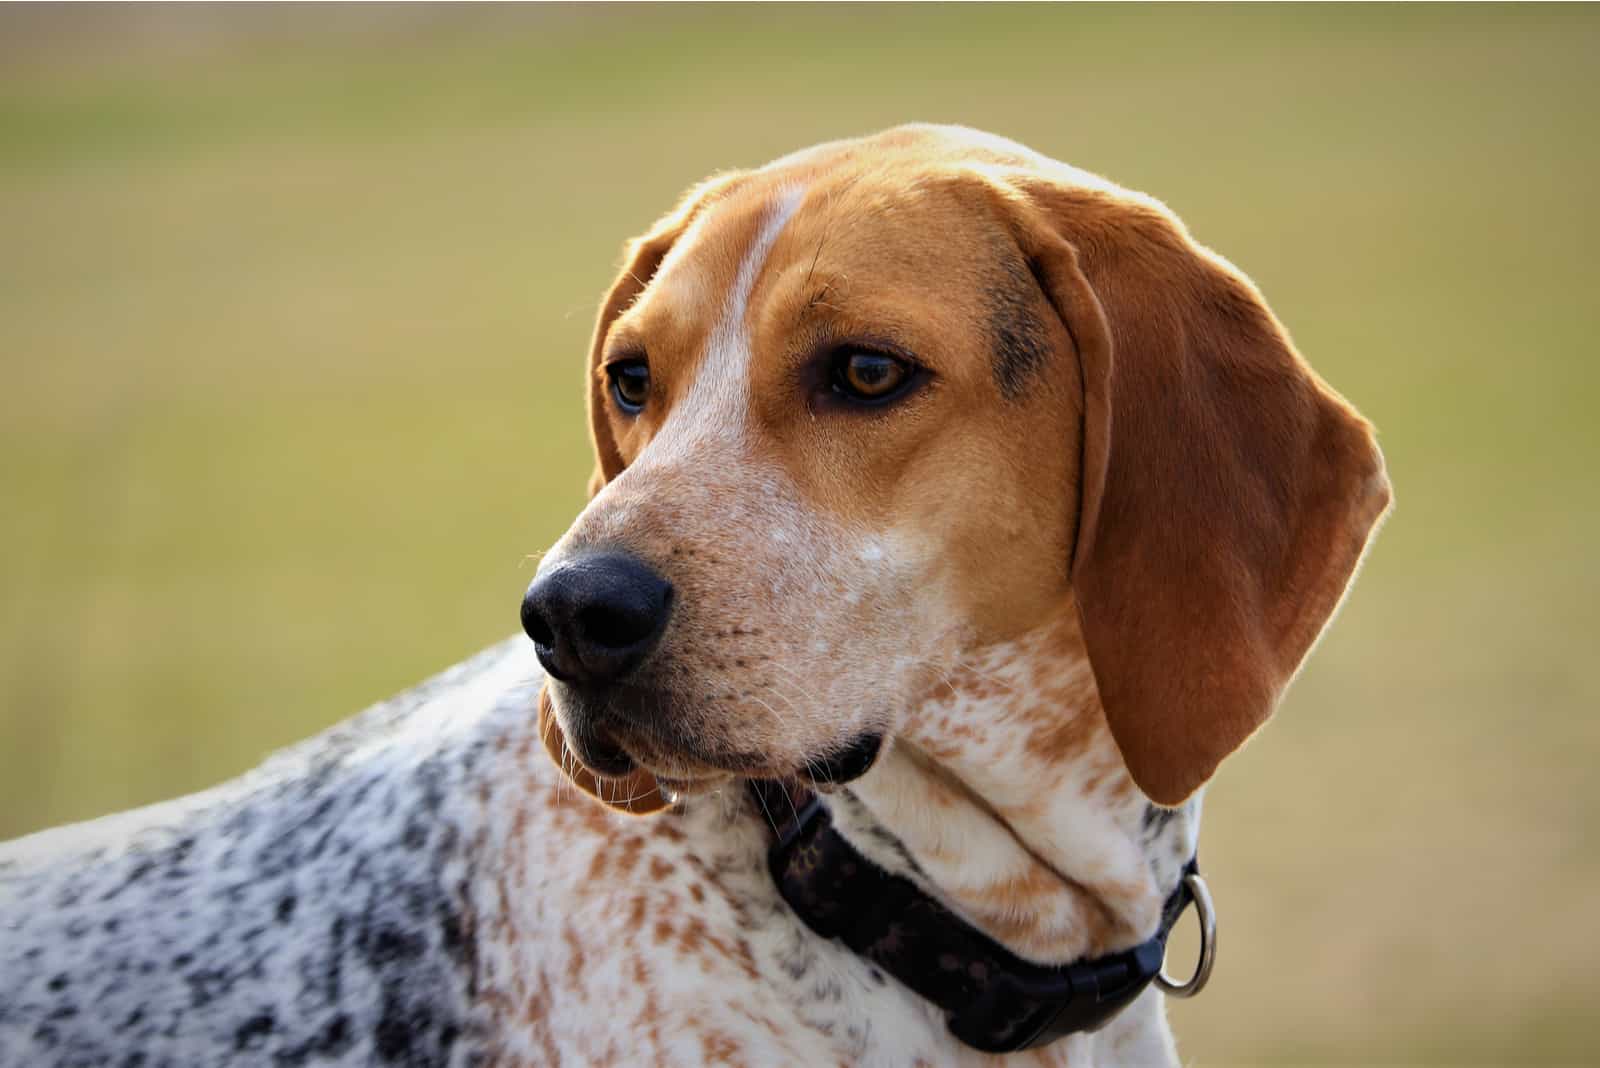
(994, 1000)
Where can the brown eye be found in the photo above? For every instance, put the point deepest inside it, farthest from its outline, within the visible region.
(870, 377)
(630, 384)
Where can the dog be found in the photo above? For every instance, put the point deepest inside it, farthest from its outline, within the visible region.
(954, 496)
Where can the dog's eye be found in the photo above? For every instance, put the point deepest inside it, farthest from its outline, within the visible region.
(870, 377)
(630, 383)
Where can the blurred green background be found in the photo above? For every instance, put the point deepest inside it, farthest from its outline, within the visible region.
(292, 312)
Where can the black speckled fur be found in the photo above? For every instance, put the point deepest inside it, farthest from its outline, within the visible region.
(311, 913)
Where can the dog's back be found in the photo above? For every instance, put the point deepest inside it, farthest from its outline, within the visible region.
(310, 912)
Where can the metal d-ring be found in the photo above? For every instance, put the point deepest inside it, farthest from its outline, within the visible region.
(1208, 942)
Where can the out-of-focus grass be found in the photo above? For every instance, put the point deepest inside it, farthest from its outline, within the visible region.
(291, 323)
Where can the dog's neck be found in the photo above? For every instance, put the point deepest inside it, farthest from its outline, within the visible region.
(1005, 796)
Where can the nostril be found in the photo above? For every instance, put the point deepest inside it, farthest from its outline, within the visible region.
(616, 626)
(537, 627)
(625, 612)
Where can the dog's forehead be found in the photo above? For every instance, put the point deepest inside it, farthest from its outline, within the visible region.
(910, 182)
(865, 243)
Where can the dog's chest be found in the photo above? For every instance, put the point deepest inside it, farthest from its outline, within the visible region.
(614, 939)
(609, 939)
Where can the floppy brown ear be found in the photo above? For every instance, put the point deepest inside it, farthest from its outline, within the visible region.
(640, 262)
(636, 794)
(1227, 493)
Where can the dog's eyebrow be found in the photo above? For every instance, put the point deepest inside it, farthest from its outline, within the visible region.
(819, 299)
(830, 217)
(1020, 344)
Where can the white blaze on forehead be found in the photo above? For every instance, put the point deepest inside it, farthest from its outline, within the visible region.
(720, 395)
(714, 409)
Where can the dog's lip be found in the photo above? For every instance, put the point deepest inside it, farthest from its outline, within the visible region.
(601, 752)
(618, 740)
(687, 786)
(670, 763)
(688, 771)
(663, 751)
(847, 763)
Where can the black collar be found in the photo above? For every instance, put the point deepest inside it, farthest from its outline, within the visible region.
(995, 1001)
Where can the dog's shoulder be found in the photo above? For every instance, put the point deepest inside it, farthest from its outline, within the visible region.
(315, 907)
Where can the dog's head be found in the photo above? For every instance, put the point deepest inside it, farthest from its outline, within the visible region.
(885, 403)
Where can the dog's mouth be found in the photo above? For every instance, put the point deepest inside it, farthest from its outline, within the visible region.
(615, 746)
(602, 753)
(847, 764)
(701, 772)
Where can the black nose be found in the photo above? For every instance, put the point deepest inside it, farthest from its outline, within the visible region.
(595, 617)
